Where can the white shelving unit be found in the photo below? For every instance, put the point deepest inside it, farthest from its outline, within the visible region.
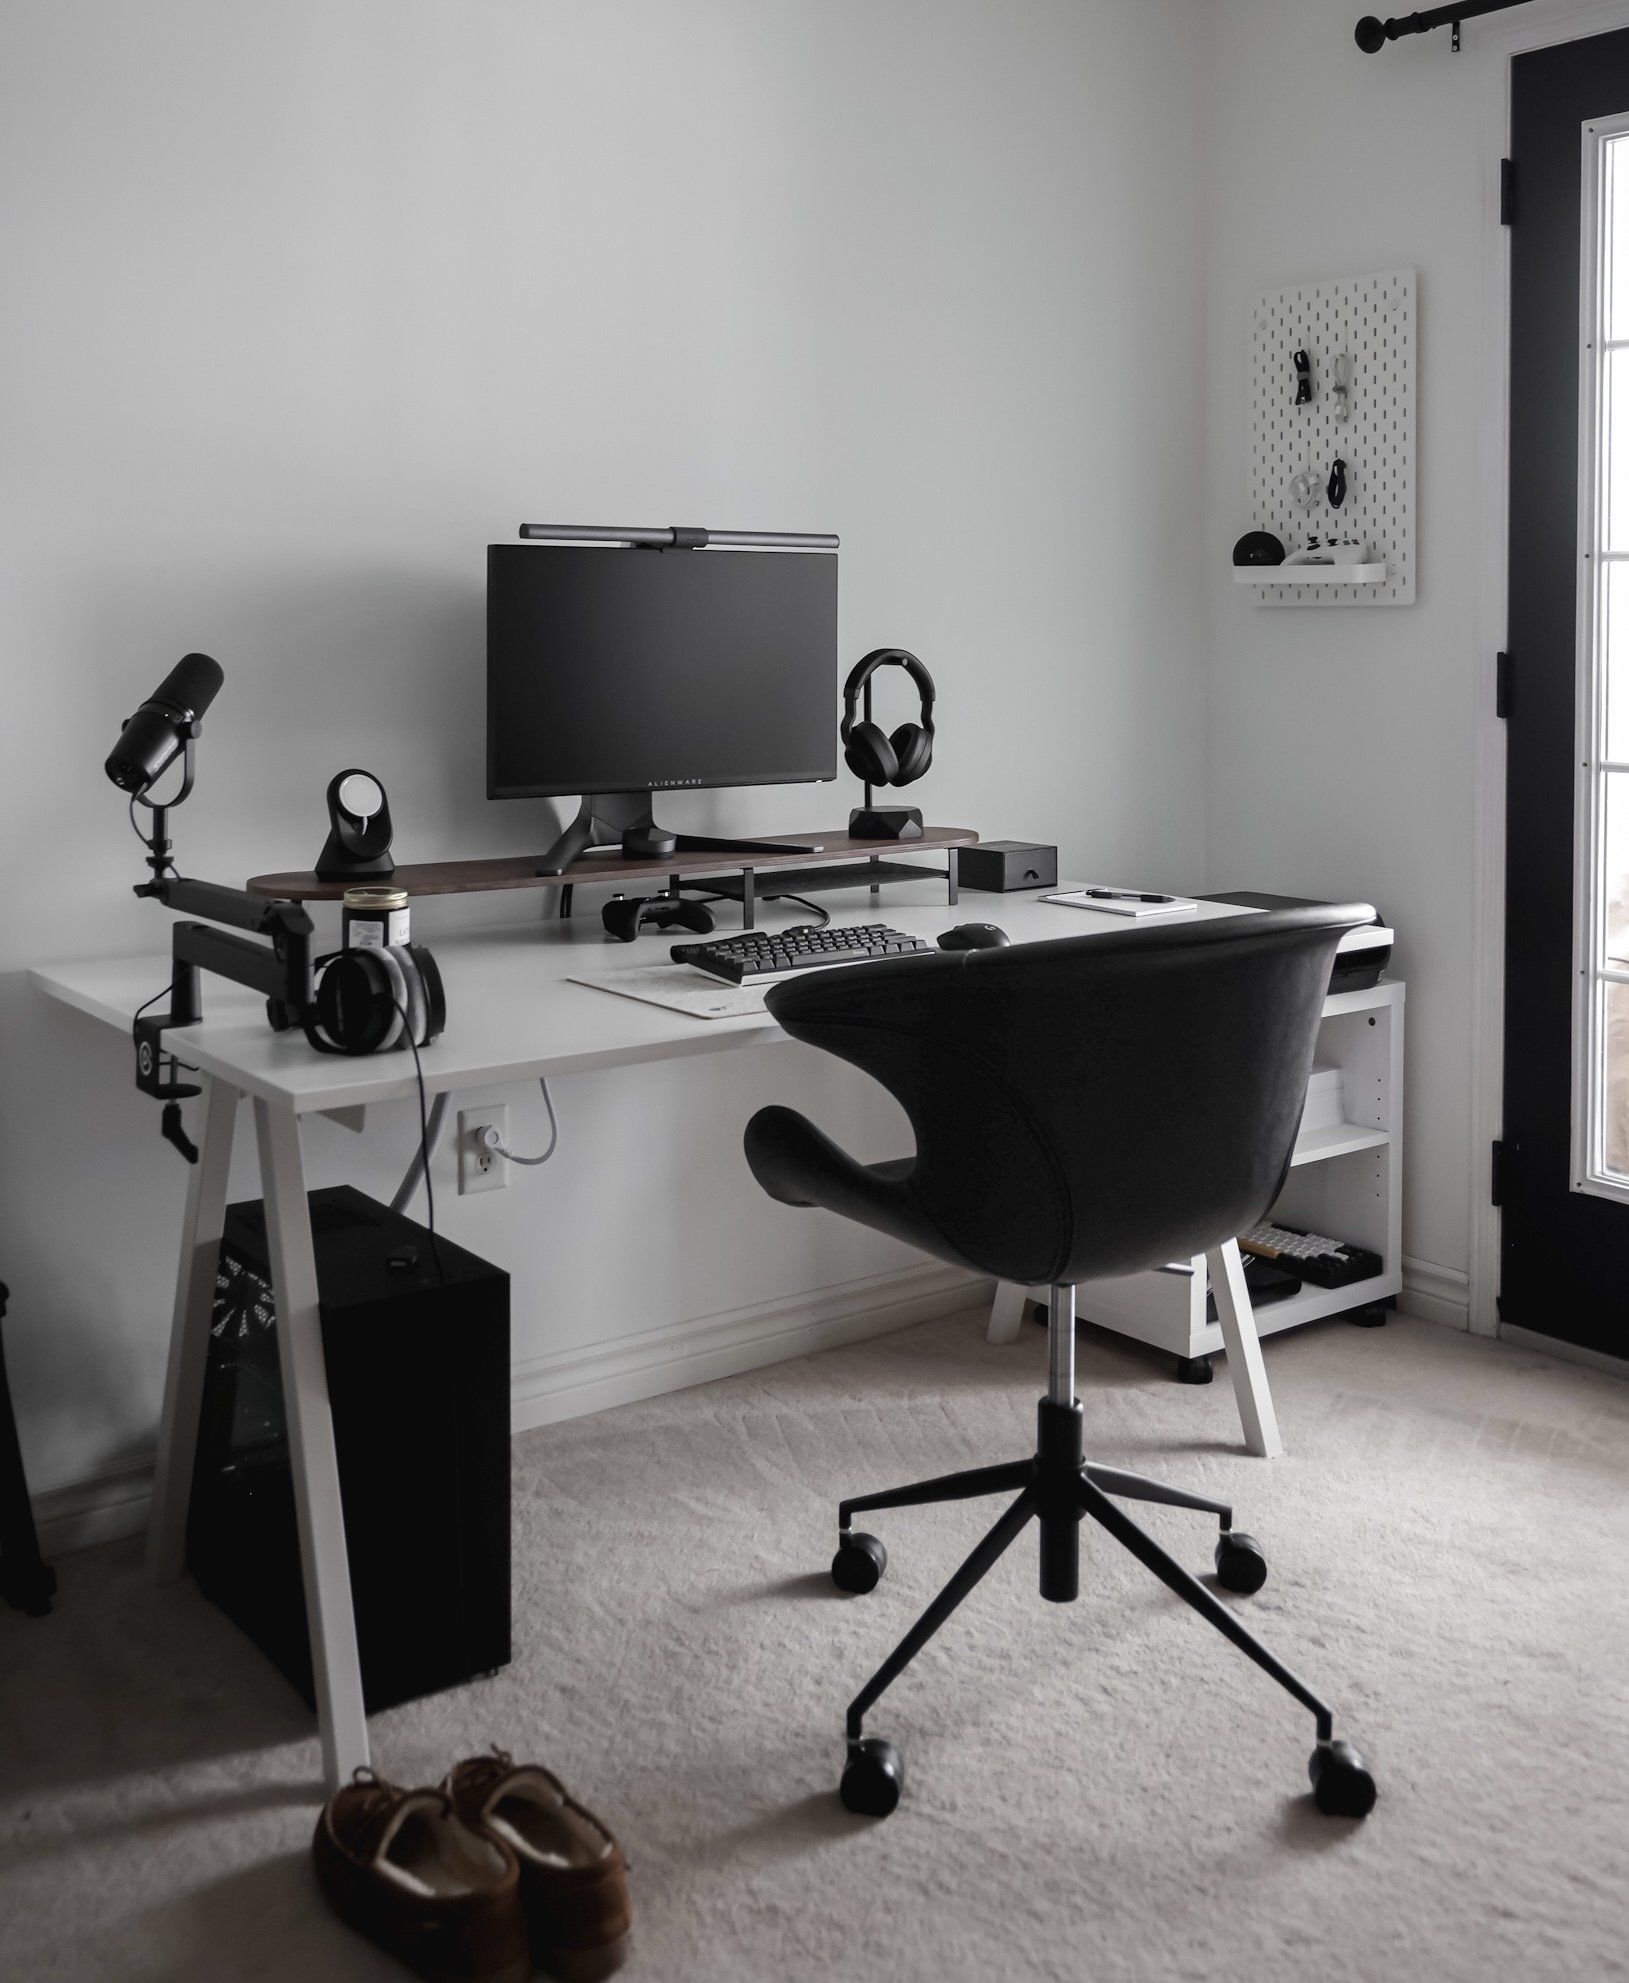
(1345, 1180)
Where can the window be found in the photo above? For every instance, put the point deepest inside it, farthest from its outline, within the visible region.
(1601, 959)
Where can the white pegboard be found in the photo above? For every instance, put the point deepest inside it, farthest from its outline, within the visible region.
(1372, 319)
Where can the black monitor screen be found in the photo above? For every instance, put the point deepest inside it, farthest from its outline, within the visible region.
(638, 670)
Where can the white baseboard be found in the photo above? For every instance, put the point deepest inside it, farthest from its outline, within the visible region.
(1436, 1294)
(102, 1507)
(570, 1383)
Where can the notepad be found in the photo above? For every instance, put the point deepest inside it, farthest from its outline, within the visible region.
(1113, 901)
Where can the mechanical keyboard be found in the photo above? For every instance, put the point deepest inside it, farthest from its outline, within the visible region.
(1327, 1263)
(776, 953)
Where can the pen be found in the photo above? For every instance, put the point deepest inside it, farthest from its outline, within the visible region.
(1125, 895)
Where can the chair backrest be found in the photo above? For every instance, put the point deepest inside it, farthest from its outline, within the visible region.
(1095, 1105)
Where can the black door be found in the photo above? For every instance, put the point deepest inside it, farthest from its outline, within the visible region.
(1565, 1248)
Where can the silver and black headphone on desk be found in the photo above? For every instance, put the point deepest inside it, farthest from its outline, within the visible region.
(367, 1000)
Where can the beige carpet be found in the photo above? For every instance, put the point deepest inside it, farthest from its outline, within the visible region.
(1103, 1790)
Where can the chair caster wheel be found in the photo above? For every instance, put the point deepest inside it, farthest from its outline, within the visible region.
(873, 1778)
(1241, 1563)
(858, 1564)
(1193, 1370)
(1038, 1314)
(1341, 1784)
(1371, 1316)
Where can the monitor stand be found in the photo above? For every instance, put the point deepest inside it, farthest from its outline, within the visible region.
(623, 820)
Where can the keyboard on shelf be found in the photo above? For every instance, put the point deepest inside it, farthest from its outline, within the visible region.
(1327, 1263)
(776, 953)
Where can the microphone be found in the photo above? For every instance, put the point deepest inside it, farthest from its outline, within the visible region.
(150, 740)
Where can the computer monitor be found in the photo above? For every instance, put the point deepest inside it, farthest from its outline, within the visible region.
(616, 673)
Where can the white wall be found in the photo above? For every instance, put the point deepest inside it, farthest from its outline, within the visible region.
(1341, 754)
(306, 303)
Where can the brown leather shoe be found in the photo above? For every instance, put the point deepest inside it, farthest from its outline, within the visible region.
(401, 1868)
(573, 1877)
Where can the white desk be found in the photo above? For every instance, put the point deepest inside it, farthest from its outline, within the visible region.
(511, 1016)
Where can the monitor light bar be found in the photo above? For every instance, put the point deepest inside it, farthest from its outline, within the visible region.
(679, 537)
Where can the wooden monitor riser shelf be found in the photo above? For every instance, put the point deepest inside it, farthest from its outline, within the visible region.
(520, 870)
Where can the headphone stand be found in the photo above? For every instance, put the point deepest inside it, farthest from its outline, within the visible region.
(873, 822)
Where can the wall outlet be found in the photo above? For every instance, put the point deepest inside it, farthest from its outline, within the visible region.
(478, 1169)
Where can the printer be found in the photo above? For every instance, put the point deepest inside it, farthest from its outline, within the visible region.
(1363, 954)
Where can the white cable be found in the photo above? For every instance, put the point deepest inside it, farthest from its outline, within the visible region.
(487, 1137)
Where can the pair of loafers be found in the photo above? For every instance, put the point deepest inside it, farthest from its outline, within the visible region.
(495, 1875)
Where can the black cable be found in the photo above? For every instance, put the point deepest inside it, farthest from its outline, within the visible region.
(146, 842)
(803, 902)
(424, 1146)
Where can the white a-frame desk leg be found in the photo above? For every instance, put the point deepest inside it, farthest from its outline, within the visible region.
(1244, 1364)
(189, 1334)
(1006, 1312)
(335, 1668)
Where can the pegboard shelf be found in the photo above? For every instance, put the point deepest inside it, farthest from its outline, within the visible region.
(1310, 574)
(1359, 335)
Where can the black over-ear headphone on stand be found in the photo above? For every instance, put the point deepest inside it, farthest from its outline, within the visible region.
(880, 759)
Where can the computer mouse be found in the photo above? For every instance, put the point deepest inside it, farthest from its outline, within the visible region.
(974, 936)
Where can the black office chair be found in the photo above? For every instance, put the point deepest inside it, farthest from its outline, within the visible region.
(1083, 1108)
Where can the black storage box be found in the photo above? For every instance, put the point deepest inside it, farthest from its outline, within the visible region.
(999, 866)
(418, 1375)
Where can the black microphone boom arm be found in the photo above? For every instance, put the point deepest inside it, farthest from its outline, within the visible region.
(280, 970)
(164, 728)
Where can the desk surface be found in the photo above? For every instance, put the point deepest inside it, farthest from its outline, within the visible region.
(512, 1014)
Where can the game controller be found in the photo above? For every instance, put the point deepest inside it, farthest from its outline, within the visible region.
(625, 916)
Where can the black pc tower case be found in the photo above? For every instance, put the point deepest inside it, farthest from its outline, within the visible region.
(416, 1338)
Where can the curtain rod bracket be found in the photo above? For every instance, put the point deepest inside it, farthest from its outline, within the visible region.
(1371, 33)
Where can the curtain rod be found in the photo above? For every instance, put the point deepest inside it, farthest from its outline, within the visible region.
(1372, 34)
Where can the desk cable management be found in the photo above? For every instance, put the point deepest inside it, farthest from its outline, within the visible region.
(431, 1126)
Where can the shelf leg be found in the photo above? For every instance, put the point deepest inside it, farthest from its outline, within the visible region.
(1006, 1313)
(1244, 1364)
